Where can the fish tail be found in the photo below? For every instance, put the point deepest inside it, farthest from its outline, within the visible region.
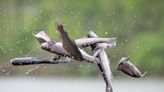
(109, 89)
(144, 74)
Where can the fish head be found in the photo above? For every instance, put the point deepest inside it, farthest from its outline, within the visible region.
(126, 66)
(122, 63)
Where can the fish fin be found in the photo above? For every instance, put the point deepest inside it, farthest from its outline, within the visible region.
(144, 74)
(127, 58)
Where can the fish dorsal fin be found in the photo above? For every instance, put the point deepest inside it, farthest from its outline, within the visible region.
(127, 58)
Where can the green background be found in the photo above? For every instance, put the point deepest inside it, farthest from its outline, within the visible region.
(138, 26)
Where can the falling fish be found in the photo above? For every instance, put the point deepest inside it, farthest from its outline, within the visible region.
(128, 68)
(31, 60)
(68, 44)
(103, 64)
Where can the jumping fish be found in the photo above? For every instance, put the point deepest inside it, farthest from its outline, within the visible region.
(128, 68)
(103, 63)
(68, 44)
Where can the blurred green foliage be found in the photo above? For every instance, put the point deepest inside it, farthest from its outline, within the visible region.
(137, 24)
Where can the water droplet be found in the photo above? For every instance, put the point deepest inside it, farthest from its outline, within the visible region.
(88, 66)
(45, 67)
(72, 57)
(40, 11)
(34, 68)
(17, 42)
(106, 33)
(2, 48)
(148, 49)
(36, 19)
(8, 73)
(5, 14)
(24, 28)
(11, 49)
(32, 51)
(2, 69)
(122, 43)
(26, 38)
(65, 6)
(20, 52)
(27, 73)
(80, 65)
(126, 40)
(137, 46)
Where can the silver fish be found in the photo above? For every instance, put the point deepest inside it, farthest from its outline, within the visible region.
(82, 42)
(42, 37)
(68, 44)
(128, 68)
(104, 62)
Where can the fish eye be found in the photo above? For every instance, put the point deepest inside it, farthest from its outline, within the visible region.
(121, 63)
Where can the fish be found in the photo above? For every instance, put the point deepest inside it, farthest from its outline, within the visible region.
(128, 68)
(42, 37)
(83, 42)
(68, 44)
(31, 61)
(104, 62)
(47, 43)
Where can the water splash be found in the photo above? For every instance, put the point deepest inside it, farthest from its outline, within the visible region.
(5, 65)
(44, 67)
(2, 68)
(32, 69)
(2, 48)
(8, 73)
(32, 50)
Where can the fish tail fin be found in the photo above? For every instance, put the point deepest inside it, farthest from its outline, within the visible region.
(144, 74)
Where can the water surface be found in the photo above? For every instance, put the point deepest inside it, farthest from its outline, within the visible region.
(77, 85)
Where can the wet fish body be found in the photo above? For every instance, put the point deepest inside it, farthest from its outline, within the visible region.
(128, 68)
(68, 44)
(103, 63)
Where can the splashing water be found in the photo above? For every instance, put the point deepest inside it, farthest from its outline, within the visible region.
(2, 68)
(2, 48)
(8, 73)
(32, 50)
(32, 69)
(5, 65)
